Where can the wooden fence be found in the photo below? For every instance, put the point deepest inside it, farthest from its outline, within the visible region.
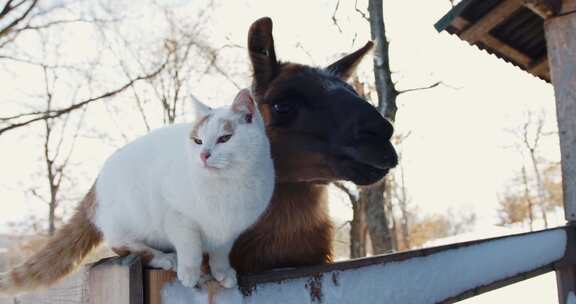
(444, 274)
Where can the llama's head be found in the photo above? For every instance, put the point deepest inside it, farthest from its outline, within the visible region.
(320, 129)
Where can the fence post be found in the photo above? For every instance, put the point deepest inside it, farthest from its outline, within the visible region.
(117, 280)
(561, 44)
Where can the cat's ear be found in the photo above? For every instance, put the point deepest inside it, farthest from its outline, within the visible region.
(346, 66)
(244, 104)
(200, 109)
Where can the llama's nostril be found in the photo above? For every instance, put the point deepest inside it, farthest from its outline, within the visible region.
(374, 129)
(367, 134)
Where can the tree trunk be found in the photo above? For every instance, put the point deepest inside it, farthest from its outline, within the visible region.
(389, 212)
(539, 187)
(544, 217)
(387, 93)
(51, 219)
(527, 197)
(403, 202)
(372, 198)
(357, 232)
(50, 174)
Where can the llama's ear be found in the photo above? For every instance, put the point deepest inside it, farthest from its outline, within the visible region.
(346, 66)
(262, 54)
(244, 104)
(200, 109)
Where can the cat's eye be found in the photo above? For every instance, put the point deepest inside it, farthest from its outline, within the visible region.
(224, 138)
(197, 141)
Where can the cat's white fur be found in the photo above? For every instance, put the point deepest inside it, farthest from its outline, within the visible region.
(157, 195)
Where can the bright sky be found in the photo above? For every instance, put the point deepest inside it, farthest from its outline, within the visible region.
(458, 155)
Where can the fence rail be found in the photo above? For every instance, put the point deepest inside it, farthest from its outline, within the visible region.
(444, 274)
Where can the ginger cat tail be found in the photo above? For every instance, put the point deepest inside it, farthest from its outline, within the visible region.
(60, 256)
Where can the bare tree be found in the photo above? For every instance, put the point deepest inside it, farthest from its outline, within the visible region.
(518, 202)
(189, 58)
(12, 122)
(358, 229)
(376, 218)
(14, 15)
(532, 145)
(552, 182)
(56, 157)
(54, 103)
(528, 199)
(400, 195)
(538, 189)
(21, 16)
(375, 200)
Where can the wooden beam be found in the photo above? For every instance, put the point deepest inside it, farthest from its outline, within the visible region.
(540, 68)
(568, 6)
(544, 8)
(506, 50)
(154, 281)
(566, 272)
(560, 33)
(460, 23)
(565, 280)
(490, 20)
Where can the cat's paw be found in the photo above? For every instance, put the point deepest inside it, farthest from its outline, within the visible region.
(226, 277)
(205, 278)
(188, 275)
(166, 261)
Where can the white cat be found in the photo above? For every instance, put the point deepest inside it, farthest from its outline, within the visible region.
(192, 188)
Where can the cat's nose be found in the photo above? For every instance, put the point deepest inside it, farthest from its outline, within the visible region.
(204, 155)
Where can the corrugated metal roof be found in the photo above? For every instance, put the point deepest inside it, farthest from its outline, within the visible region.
(519, 39)
(523, 31)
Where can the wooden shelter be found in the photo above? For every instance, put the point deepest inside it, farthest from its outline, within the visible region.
(511, 30)
(538, 36)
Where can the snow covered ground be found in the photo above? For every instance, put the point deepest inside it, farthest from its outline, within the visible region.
(426, 279)
(538, 290)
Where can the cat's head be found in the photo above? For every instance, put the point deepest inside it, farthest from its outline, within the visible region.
(228, 137)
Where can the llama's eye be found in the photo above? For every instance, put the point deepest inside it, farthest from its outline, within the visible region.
(197, 141)
(283, 108)
(224, 138)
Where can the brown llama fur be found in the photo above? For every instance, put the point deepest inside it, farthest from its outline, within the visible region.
(295, 231)
(60, 256)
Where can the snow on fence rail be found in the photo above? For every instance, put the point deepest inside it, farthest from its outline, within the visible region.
(443, 274)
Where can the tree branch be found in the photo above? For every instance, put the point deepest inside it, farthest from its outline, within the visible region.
(421, 88)
(57, 113)
(12, 24)
(56, 22)
(36, 63)
(353, 198)
(7, 8)
(360, 12)
(334, 20)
